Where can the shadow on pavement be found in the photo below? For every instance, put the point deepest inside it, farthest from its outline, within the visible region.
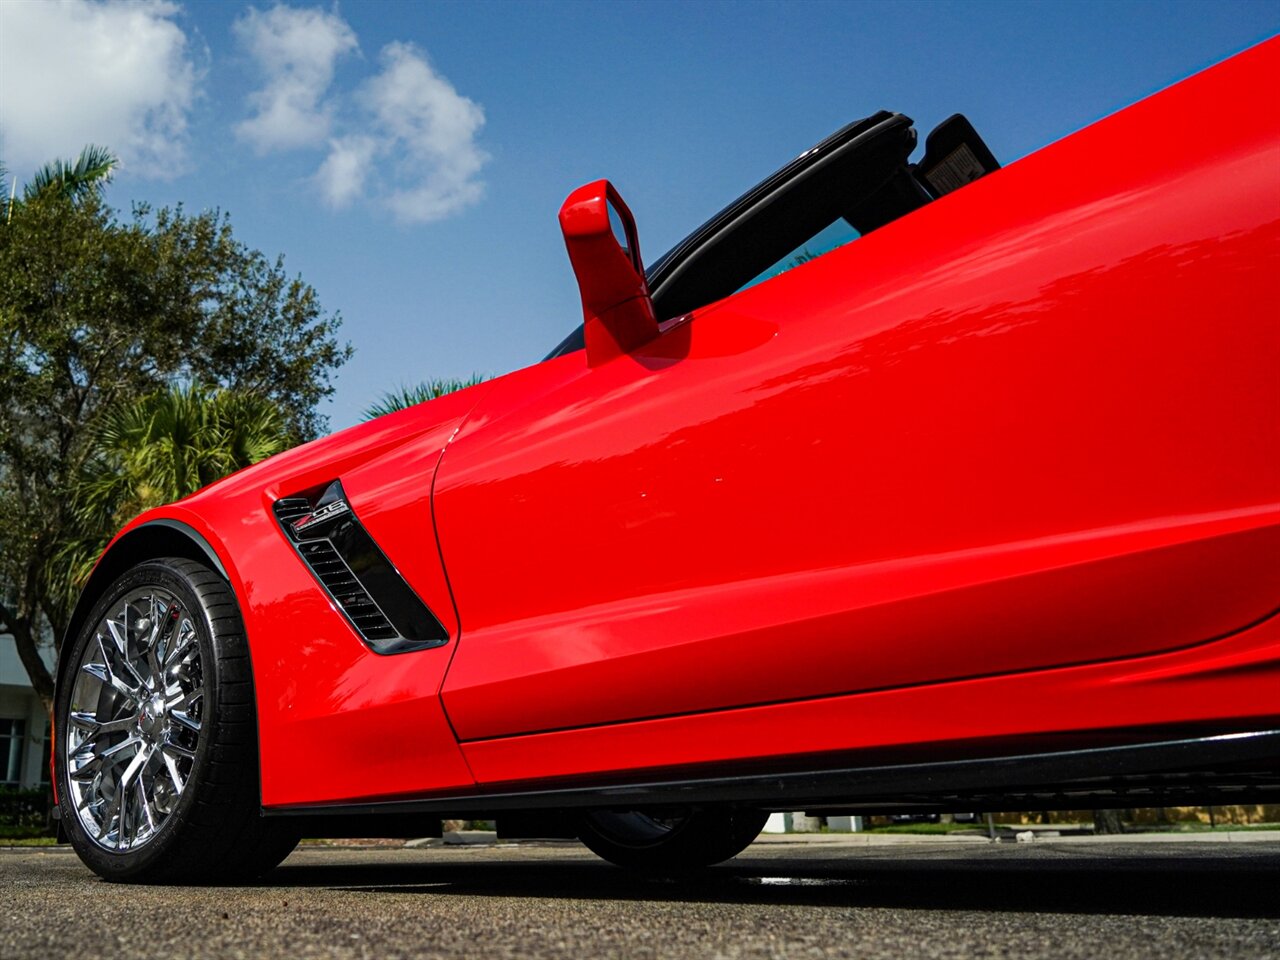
(1232, 885)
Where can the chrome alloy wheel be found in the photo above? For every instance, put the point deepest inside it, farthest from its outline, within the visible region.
(134, 720)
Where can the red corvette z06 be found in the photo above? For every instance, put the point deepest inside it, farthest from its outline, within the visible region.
(895, 487)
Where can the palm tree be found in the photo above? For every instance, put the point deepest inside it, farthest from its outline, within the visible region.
(406, 396)
(74, 179)
(162, 448)
(70, 180)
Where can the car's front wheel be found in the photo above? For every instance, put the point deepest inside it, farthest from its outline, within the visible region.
(670, 841)
(156, 740)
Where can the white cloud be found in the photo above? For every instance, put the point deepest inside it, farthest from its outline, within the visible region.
(429, 130)
(341, 177)
(296, 49)
(404, 140)
(116, 74)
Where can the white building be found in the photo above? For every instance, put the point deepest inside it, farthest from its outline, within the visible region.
(24, 725)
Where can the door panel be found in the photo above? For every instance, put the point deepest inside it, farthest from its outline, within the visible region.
(1217, 688)
(1022, 427)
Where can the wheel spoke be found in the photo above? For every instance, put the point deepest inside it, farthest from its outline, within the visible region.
(148, 813)
(169, 748)
(153, 625)
(120, 635)
(103, 761)
(97, 727)
(104, 672)
(128, 811)
(186, 640)
(122, 825)
(110, 814)
(180, 697)
(175, 775)
(165, 623)
(184, 719)
(139, 760)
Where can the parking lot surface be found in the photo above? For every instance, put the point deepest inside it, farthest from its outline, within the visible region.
(831, 897)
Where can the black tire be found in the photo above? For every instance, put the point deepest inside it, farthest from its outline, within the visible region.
(680, 843)
(206, 824)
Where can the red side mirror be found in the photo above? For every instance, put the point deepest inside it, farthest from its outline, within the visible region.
(600, 234)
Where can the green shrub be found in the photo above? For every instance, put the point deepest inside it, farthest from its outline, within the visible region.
(24, 813)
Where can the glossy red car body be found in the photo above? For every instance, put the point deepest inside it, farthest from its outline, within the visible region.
(1003, 471)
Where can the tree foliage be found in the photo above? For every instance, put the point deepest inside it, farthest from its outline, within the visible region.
(164, 447)
(98, 311)
(408, 396)
(73, 179)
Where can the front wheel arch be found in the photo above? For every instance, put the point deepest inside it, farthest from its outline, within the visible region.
(150, 541)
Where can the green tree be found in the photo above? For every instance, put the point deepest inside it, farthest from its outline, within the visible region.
(73, 179)
(98, 310)
(409, 396)
(162, 448)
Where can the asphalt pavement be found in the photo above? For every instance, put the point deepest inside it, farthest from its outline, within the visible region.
(816, 897)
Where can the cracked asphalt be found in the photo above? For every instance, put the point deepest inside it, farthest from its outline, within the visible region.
(819, 898)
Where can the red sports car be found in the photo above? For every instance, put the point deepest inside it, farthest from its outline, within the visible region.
(978, 511)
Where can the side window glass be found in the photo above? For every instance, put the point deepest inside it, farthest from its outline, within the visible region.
(823, 242)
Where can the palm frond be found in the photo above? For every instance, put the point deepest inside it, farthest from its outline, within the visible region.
(164, 447)
(74, 179)
(403, 396)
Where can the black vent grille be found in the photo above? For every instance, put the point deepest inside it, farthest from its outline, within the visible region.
(369, 591)
(292, 508)
(352, 597)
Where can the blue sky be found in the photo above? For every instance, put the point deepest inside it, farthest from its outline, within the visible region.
(408, 158)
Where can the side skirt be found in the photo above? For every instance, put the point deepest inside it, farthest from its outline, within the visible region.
(1225, 768)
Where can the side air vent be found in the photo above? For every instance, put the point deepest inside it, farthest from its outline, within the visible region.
(356, 574)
